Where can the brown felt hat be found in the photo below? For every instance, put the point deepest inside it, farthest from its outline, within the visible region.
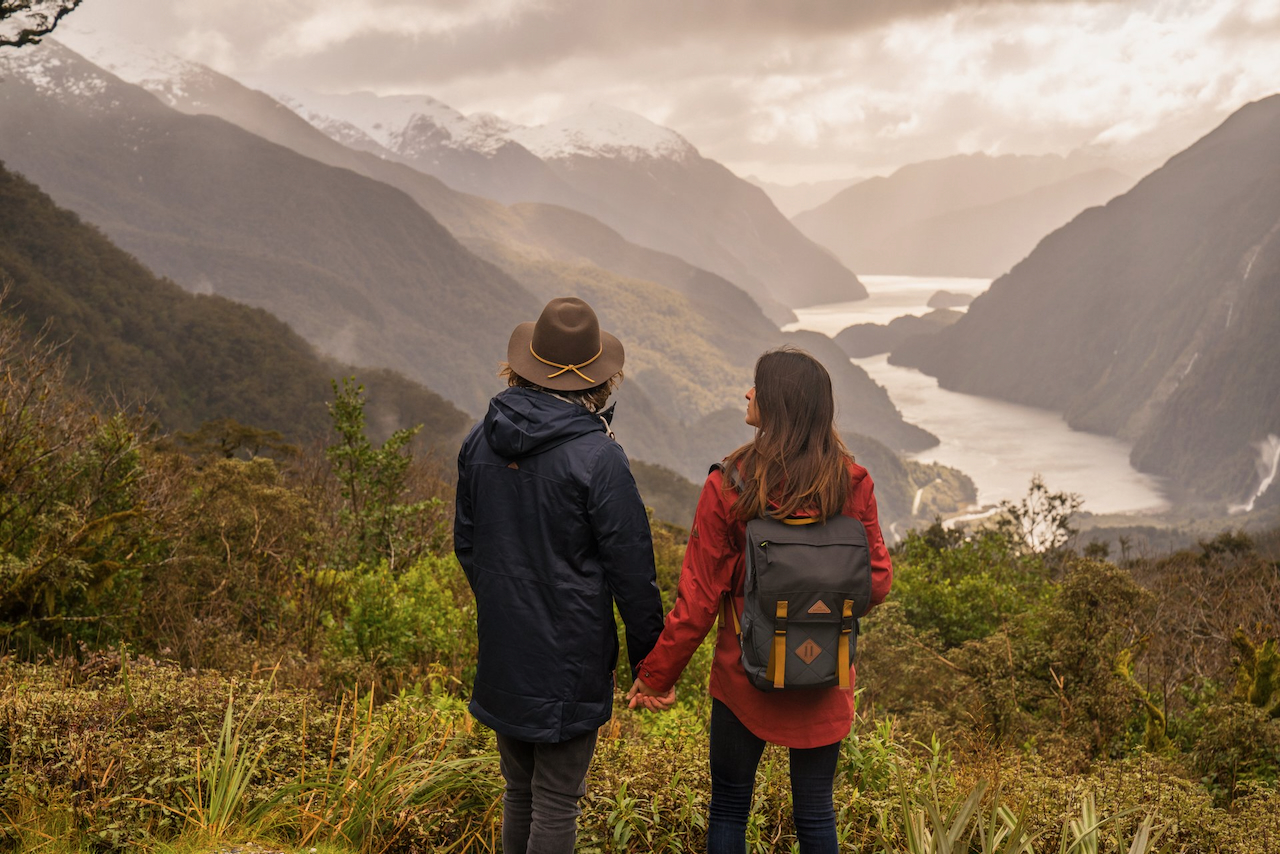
(566, 349)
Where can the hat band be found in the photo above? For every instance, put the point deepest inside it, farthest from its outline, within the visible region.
(566, 368)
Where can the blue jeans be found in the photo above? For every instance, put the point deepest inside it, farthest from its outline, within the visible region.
(544, 783)
(735, 753)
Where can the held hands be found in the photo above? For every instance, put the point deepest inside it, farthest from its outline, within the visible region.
(644, 697)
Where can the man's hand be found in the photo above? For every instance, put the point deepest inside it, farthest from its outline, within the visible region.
(646, 698)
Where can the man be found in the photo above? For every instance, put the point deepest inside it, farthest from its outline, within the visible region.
(551, 532)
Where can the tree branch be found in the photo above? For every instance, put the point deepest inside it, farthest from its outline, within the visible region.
(41, 17)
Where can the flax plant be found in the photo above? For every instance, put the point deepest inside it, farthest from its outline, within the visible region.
(216, 798)
(927, 831)
(1081, 835)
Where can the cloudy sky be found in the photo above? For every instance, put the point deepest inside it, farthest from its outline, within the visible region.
(790, 90)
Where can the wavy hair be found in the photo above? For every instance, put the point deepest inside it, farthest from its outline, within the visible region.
(593, 398)
(797, 461)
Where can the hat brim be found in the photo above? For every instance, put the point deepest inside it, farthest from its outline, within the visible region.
(522, 361)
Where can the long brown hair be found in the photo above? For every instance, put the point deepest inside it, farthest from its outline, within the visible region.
(797, 461)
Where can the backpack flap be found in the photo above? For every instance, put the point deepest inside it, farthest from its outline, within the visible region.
(803, 586)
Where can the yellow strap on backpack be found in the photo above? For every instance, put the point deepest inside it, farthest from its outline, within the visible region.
(729, 614)
(842, 655)
(778, 655)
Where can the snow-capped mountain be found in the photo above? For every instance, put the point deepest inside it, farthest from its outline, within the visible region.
(405, 124)
(53, 74)
(169, 77)
(602, 131)
(294, 224)
(474, 154)
(644, 180)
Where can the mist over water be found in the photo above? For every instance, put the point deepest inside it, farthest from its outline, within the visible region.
(888, 297)
(1000, 445)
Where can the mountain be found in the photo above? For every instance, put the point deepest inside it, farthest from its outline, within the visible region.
(353, 265)
(692, 336)
(645, 181)
(792, 199)
(469, 153)
(191, 358)
(1153, 318)
(188, 358)
(969, 215)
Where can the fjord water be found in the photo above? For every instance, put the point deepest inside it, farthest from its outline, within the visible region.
(1000, 445)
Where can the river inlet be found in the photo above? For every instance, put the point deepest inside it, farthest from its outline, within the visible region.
(1000, 445)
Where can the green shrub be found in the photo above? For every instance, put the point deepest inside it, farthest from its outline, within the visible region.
(964, 589)
(410, 623)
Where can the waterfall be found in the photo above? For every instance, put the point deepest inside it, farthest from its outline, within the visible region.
(1268, 461)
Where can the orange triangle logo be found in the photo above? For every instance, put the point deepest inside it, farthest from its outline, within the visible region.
(819, 607)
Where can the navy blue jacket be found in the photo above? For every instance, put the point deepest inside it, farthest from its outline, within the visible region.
(551, 532)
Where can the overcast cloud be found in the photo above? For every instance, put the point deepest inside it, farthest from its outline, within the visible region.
(790, 91)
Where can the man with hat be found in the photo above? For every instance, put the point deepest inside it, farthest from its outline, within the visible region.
(551, 533)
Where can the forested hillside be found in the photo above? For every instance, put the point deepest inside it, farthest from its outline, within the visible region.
(187, 358)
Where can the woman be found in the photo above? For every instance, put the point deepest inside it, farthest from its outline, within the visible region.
(796, 465)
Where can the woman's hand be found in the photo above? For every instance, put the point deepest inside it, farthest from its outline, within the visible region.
(646, 698)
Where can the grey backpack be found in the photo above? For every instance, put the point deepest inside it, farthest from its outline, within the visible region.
(806, 584)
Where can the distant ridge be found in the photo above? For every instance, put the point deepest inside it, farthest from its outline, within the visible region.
(969, 215)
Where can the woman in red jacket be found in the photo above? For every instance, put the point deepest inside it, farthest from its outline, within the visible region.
(796, 465)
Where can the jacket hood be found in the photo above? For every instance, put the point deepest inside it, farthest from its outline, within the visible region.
(521, 422)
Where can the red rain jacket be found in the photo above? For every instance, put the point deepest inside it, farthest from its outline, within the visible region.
(714, 564)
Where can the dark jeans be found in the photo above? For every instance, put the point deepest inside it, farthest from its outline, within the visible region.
(544, 782)
(735, 753)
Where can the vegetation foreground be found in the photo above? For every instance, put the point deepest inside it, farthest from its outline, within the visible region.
(215, 638)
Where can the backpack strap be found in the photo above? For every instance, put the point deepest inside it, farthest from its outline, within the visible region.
(777, 666)
(729, 614)
(731, 474)
(842, 654)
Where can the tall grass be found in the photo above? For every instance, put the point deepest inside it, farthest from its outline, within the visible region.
(381, 781)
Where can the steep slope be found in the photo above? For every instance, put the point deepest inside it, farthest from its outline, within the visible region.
(882, 225)
(1152, 318)
(189, 358)
(355, 266)
(1220, 426)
